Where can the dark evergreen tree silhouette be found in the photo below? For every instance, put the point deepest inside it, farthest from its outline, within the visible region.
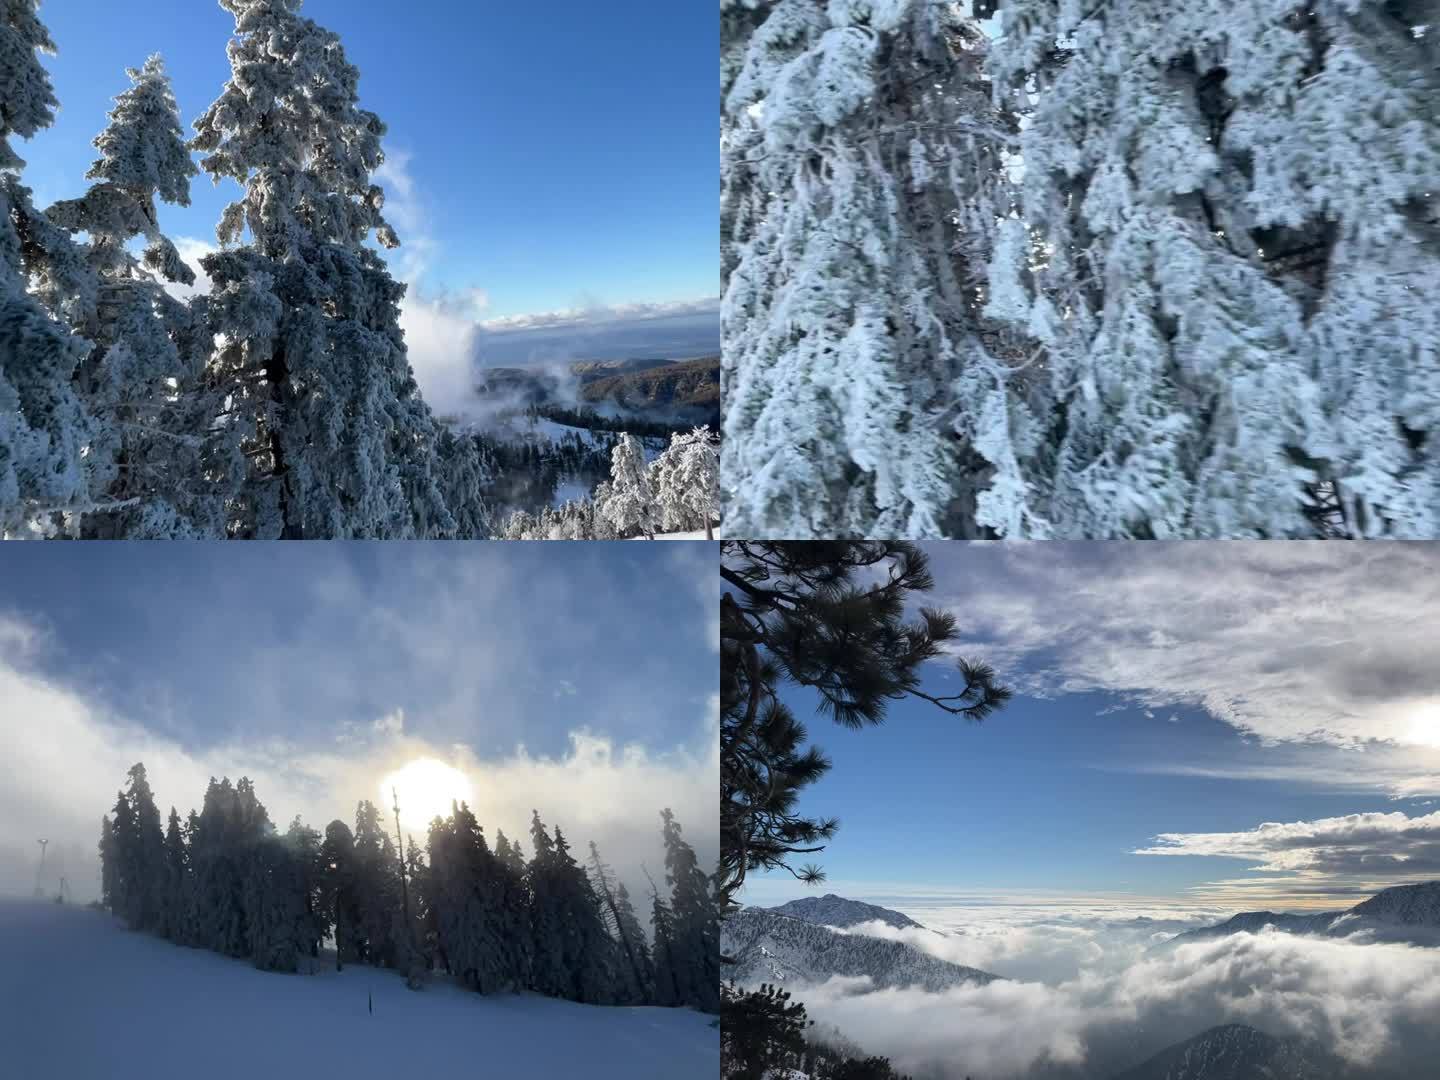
(621, 923)
(226, 880)
(339, 897)
(695, 930)
(761, 1032)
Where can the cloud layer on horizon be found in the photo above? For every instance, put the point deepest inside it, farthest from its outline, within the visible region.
(1379, 846)
(1372, 1004)
(444, 328)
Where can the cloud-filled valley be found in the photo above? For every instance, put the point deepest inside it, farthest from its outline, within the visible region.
(1086, 999)
(1201, 842)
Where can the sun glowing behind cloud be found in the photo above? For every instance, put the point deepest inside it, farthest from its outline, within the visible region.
(1425, 725)
(426, 787)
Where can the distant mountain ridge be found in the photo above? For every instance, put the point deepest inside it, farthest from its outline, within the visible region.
(1238, 1052)
(768, 947)
(832, 910)
(684, 389)
(1402, 913)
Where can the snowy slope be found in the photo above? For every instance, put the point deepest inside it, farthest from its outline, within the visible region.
(1238, 1052)
(1404, 913)
(832, 910)
(82, 999)
(771, 948)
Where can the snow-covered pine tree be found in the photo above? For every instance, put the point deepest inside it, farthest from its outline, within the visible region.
(630, 503)
(599, 502)
(464, 471)
(44, 427)
(862, 173)
(636, 986)
(190, 909)
(518, 526)
(142, 850)
(686, 481)
(174, 922)
(515, 906)
(304, 846)
(574, 957)
(230, 822)
(338, 899)
(314, 363)
(630, 928)
(695, 926)
(422, 905)
(469, 896)
(509, 854)
(281, 929)
(1234, 209)
(548, 974)
(123, 864)
(109, 865)
(152, 453)
(590, 953)
(377, 887)
(669, 964)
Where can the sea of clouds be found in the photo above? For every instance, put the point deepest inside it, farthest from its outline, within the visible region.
(1086, 996)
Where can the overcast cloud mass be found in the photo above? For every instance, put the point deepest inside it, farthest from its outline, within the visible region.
(316, 670)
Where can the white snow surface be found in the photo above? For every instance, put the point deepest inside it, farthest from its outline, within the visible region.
(85, 999)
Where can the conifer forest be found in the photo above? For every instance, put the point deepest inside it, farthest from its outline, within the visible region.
(1046, 269)
(227, 880)
(271, 395)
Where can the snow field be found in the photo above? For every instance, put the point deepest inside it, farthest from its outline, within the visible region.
(81, 998)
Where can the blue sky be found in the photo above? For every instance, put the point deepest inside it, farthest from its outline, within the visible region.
(575, 678)
(558, 155)
(1197, 690)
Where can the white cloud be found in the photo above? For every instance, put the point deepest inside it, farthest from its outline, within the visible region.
(439, 326)
(405, 211)
(192, 251)
(67, 753)
(1375, 845)
(1306, 644)
(1371, 1004)
(580, 318)
(391, 724)
(440, 342)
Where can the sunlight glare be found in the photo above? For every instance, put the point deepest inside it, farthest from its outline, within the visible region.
(426, 788)
(1425, 726)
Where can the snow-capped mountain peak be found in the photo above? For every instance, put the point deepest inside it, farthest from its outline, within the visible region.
(1236, 1052)
(1408, 913)
(832, 910)
(768, 947)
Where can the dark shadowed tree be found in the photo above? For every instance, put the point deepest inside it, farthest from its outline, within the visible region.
(175, 895)
(377, 887)
(761, 1032)
(338, 897)
(109, 865)
(829, 617)
(667, 961)
(625, 930)
(695, 944)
